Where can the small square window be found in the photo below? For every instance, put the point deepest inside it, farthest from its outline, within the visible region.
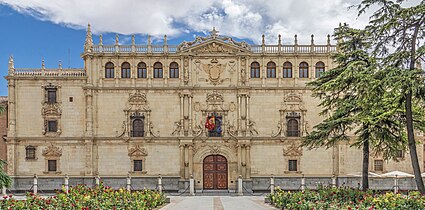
(30, 152)
(137, 165)
(378, 165)
(292, 165)
(71, 99)
(51, 165)
(52, 126)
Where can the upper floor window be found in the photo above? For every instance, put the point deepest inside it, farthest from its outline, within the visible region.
(141, 70)
(292, 128)
(52, 126)
(287, 70)
(174, 70)
(51, 95)
(30, 152)
(157, 70)
(378, 165)
(109, 70)
(320, 68)
(303, 70)
(255, 70)
(271, 70)
(125, 70)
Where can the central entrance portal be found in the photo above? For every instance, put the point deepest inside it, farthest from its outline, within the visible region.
(215, 172)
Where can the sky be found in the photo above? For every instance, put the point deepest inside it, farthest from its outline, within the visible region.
(54, 30)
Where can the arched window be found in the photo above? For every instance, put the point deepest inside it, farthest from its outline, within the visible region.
(125, 70)
(303, 70)
(157, 70)
(174, 70)
(292, 128)
(109, 70)
(320, 68)
(141, 70)
(138, 128)
(287, 70)
(271, 70)
(255, 70)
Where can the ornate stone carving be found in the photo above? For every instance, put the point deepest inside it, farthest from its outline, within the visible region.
(279, 130)
(137, 152)
(52, 151)
(178, 127)
(137, 101)
(51, 109)
(292, 150)
(251, 128)
(214, 70)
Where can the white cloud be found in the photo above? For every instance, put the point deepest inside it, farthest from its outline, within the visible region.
(240, 18)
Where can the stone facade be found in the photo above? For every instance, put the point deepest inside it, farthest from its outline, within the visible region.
(3, 128)
(143, 110)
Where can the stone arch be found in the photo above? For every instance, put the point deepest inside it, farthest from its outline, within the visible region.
(206, 150)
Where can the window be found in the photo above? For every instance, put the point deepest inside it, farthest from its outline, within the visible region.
(399, 154)
(52, 126)
(157, 70)
(125, 70)
(213, 124)
(271, 70)
(109, 70)
(71, 99)
(292, 128)
(303, 70)
(287, 70)
(174, 70)
(292, 165)
(320, 68)
(255, 70)
(51, 165)
(138, 127)
(30, 152)
(141, 70)
(378, 165)
(137, 165)
(51, 95)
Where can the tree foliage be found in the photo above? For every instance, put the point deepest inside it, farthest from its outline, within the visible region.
(5, 180)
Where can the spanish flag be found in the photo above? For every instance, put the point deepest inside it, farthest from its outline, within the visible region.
(210, 123)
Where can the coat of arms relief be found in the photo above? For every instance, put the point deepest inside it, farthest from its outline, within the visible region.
(214, 70)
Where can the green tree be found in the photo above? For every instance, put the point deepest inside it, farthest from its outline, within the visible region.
(353, 99)
(5, 180)
(398, 34)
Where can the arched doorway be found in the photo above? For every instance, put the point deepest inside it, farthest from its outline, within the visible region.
(215, 172)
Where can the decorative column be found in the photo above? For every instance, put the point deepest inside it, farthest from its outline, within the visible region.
(182, 167)
(248, 161)
(186, 162)
(191, 159)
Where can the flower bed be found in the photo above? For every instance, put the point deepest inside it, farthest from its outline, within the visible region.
(346, 198)
(82, 198)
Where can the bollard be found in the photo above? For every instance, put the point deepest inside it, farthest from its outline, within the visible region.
(272, 185)
(191, 185)
(395, 185)
(160, 183)
(302, 183)
(35, 184)
(128, 182)
(3, 191)
(240, 192)
(333, 181)
(97, 180)
(66, 188)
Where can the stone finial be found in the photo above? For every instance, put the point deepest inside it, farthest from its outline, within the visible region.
(296, 39)
(116, 39)
(133, 42)
(329, 39)
(11, 63)
(312, 39)
(100, 39)
(279, 39)
(88, 44)
(214, 33)
(149, 40)
(42, 64)
(60, 64)
(263, 40)
(165, 39)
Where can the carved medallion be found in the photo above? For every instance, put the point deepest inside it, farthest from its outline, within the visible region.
(214, 71)
(137, 152)
(52, 151)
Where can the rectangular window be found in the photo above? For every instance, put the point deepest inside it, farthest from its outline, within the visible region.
(287, 73)
(126, 73)
(137, 165)
(141, 73)
(292, 165)
(399, 154)
(157, 73)
(51, 96)
(378, 165)
(52, 126)
(30, 152)
(51, 165)
(109, 73)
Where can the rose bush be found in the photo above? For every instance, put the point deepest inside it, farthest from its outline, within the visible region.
(82, 197)
(346, 198)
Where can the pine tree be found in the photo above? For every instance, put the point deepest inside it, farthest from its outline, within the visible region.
(398, 34)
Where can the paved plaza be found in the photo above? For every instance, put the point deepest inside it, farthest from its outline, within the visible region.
(217, 203)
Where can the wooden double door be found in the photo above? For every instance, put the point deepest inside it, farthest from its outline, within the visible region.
(215, 172)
